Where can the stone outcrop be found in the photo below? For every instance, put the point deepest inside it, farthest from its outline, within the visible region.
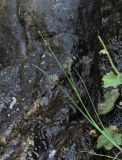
(37, 120)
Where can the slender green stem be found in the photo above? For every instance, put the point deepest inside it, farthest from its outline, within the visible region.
(64, 93)
(72, 85)
(101, 41)
(90, 98)
(87, 115)
(105, 132)
(78, 96)
(92, 122)
(112, 64)
(109, 57)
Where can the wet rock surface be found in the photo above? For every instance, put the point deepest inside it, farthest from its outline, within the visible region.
(37, 120)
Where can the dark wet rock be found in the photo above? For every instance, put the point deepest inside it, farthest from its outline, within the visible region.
(110, 31)
(29, 117)
(117, 121)
(37, 120)
(49, 16)
(14, 142)
(12, 38)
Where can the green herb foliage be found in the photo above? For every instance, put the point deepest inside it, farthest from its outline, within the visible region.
(98, 125)
(111, 80)
(109, 101)
(104, 142)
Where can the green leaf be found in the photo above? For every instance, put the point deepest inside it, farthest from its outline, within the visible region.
(111, 80)
(108, 146)
(118, 138)
(109, 101)
(102, 141)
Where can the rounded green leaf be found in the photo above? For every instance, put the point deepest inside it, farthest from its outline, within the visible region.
(111, 80)
(109, 101)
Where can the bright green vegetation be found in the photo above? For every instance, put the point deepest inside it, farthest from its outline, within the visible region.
(104, 51)
(104, 142)
(110, 98)
(108, 138)
(111, 79)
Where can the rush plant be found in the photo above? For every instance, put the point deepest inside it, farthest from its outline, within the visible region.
(87, 115)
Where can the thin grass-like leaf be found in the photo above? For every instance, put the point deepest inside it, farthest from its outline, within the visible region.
(73, 85)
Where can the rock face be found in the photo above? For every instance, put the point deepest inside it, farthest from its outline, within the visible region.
(37, 120)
